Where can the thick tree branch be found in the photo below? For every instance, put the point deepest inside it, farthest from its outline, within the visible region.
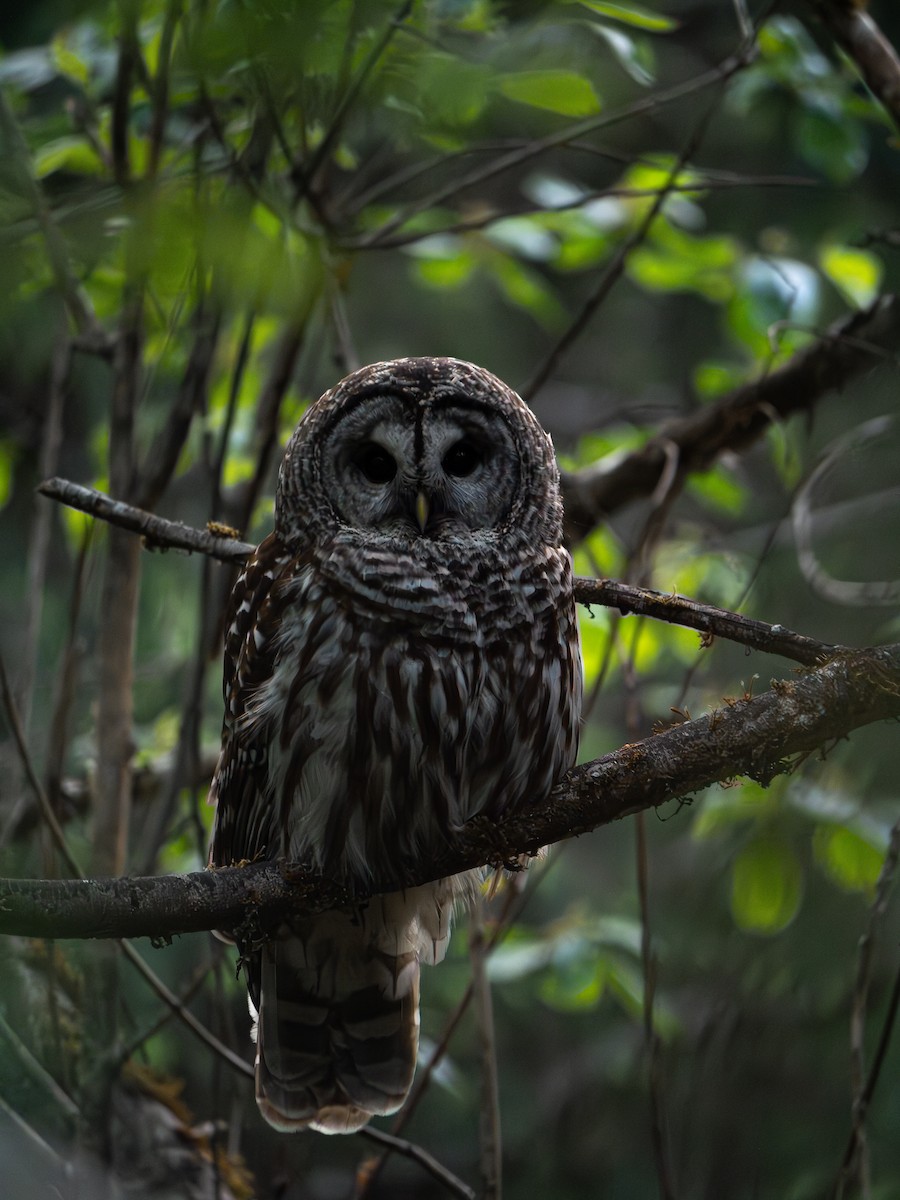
(756, 737)
(859, 37)
(850, 346)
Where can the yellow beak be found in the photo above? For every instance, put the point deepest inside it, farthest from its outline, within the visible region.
(423, 510)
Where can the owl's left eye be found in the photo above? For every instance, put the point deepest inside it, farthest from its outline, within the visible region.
(375, 463)
(462, 459)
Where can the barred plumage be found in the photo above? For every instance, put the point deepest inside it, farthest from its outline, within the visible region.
(402, 655)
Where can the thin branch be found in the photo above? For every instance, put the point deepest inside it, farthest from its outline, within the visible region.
(161, 86)
(49, 816)
(162, 457)
(533, 149)
(758, 737)
(158, 533)
(425, 1160)
(615, 268)
(699, 183)
(268, 410)
(308, 171)
(185, 1015)
(707, 619)
(38, 1072)
(863, 1083)
(18, 157)
(167, 996)
(679, 610)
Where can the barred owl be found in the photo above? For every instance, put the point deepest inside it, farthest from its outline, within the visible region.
(402, 655)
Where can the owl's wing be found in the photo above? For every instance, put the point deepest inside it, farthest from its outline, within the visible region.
(245, 812)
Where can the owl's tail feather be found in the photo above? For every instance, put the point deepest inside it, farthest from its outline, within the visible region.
(338, 1023)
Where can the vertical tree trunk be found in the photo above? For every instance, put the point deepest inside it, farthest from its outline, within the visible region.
(115, 745)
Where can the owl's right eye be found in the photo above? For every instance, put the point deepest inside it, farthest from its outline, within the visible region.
(375, 463)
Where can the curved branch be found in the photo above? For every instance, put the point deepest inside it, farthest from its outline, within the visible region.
(755, 737)
(850, 346)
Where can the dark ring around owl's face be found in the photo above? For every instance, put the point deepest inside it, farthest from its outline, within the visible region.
(420, 467)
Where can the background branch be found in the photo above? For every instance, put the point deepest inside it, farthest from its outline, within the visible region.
(850, 346)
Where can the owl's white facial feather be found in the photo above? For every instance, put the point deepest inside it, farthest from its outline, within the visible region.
(394, 459)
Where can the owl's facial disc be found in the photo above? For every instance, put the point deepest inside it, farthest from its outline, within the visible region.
(416, 470)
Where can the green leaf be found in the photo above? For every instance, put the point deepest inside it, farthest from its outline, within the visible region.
(674, 261)
(525, 236)
(772, 290)
(712, 379)
(725, 806)
(851, 860)
(635, 57)
(514, 959)
(7, 457)
(452, 91)
(719, 490)
(443, 260)
(766, 886)
(855, 273)
(830, 141)
(67, 61)
(632, 14)
(67, 153)
(562, 92)
(574, 987)
(445, 272)
(526, 289)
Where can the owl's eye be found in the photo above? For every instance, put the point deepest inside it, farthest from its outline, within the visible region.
(462, 459)
(375, 463)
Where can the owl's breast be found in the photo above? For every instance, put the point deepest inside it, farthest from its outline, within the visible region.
(403, 702)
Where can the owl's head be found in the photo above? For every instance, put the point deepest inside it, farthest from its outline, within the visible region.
(419, 448)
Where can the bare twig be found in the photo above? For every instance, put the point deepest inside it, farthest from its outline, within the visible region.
(162, 457)
(616, 266)
(268, 410)
(700, 183)
(161, 86)
(863, 1082)
(679, 610)
(350, 94)
(17, 157)
(537, 147)
(158, 533)
(425, 1160)
(168, 997)
(49, 816)
(38, 1072)
(707, 619)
